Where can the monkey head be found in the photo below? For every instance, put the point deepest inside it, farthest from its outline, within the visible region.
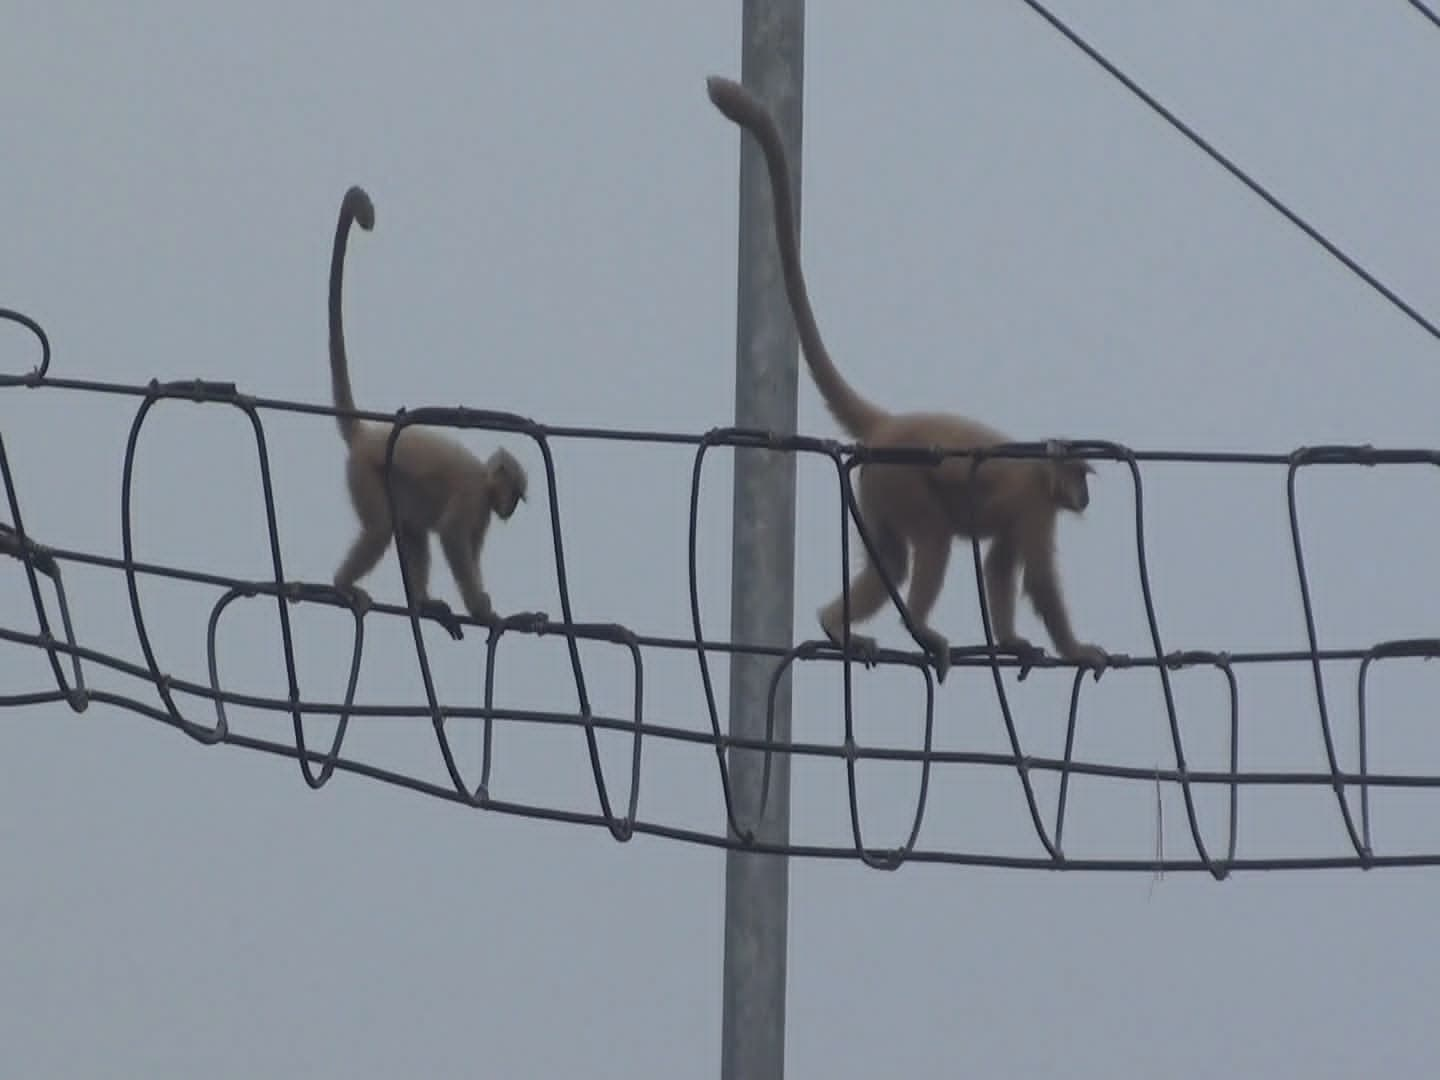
(1070, 485)
(508, 483)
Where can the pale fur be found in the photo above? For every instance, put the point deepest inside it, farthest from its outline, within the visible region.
(438, 485)
(912, 513)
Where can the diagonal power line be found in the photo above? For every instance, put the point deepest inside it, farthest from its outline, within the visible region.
(1427, 12)
(1235, 170)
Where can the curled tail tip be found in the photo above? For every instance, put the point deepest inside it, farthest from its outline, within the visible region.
(727, 95)
(718, 85)
(358, 207)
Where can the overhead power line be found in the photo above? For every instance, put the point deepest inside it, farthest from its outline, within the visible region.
(1233, 169)
(1427, 12)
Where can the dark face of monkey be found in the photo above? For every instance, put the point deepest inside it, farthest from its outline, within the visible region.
(508, 484)
(507, 498)
(1071, 486)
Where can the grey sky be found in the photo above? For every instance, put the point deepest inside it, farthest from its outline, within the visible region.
(990, 224)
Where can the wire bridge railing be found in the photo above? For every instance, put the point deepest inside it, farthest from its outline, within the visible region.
(68, 658)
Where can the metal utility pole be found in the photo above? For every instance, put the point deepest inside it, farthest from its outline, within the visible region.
(762, 597)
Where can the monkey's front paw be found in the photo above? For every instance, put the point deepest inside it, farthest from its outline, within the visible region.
(1026, 652)
(862, 647)
(1014, 643)
(865, 648)
(481, 608)
(937, 647)
(1089, 656)
(440, 611)
(359, 599)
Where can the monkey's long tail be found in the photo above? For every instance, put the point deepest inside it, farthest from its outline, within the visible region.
(853, 412)
(358, 208)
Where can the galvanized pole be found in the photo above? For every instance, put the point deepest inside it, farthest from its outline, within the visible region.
(762, 596)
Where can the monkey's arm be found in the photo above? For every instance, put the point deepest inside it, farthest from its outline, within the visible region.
(465, 566)
(364, 553)
(1042, 585)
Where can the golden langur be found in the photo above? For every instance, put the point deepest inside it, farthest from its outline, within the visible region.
(912, 513)
(438, 485)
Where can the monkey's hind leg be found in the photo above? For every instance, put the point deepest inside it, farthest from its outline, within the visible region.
(414, 547)
(368, 498)
(932, 556)
(364, 553)
(867, 594)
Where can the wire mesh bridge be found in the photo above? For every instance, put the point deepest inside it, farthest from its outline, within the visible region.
(57, 632)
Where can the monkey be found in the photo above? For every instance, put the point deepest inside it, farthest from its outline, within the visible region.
(438, 485)
(913, 512)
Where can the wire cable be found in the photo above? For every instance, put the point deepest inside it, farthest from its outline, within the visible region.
(1233, 169)
(1426, 12)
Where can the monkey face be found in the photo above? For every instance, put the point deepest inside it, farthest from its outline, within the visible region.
(507, 483)
(1072, 486)
(508, 495)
